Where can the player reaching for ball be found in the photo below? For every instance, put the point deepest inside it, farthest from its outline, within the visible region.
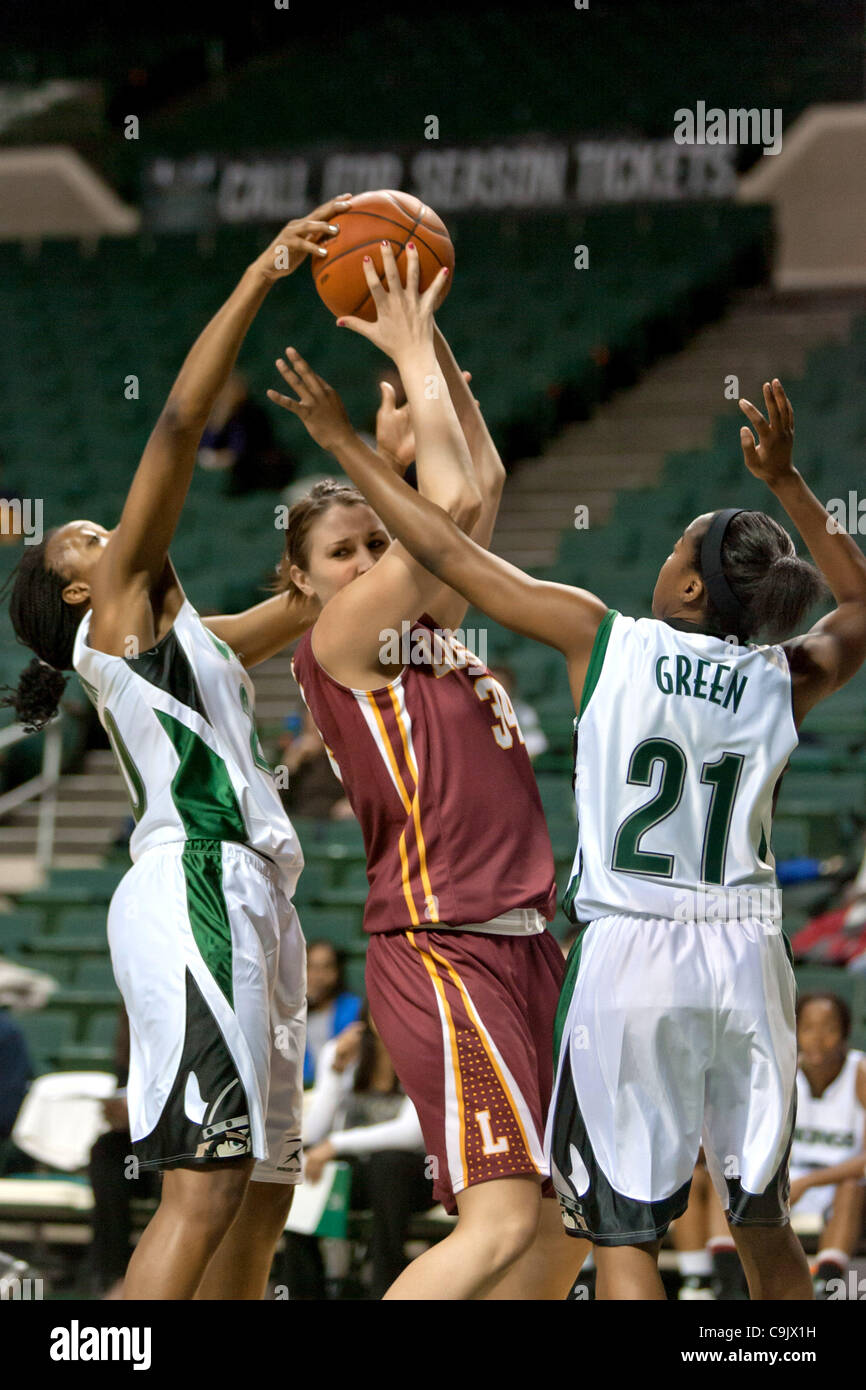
(676, 1022)
(462, 976)
(205, 943)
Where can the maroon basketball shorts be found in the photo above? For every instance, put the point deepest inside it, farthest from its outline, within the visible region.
(467, 1018)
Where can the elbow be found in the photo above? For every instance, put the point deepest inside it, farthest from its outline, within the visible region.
(465, 509)
(180, 418)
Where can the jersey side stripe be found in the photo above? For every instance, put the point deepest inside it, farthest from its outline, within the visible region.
(407, 879)
(383, 743)
(404, 724)
(458, 1169)
(516, 1102)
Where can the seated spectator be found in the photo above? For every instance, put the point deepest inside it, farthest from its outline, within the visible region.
(313, 787)
(239, 438)
(358, 1112)
(837, 936)
(16, 1073)
(330, 1006)
(828, 1157)
(112, 1183)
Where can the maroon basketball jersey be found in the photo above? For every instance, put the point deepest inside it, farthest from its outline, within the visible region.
(435, 769)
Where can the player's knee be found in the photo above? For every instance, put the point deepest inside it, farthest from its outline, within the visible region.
(510, 1237)
(207, 1203)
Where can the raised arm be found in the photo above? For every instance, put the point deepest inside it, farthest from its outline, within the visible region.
(137, 551)
(395, 442)
(832, 651)
(260, 632)
(349, 635)
(560, 616)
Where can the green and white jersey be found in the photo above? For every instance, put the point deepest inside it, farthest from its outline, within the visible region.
(679, 745)
(180, 721)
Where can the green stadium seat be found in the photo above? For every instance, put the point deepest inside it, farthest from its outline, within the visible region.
(340, 925)
(95, 975)
(19, 929)
(46, 1034)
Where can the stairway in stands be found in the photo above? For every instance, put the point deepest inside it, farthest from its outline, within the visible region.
(672, 407)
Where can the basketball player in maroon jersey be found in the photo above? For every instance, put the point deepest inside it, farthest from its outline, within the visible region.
(462, 976)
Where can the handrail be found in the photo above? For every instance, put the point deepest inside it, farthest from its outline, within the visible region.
(44, 786)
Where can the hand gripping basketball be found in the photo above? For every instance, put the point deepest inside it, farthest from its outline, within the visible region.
(404, 318)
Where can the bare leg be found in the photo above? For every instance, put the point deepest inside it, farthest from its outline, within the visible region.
(497, 1223)
(842, 1231)
(240, 1268)
(196, 1209)
(628, 1272)
(774, 1262)
(550, 1265)
(689, 1231)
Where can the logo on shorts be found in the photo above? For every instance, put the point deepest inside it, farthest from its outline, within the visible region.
(290, 1157)
(571, 1217)
(226, 1139)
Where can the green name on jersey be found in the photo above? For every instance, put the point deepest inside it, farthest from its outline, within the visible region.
(684, 679)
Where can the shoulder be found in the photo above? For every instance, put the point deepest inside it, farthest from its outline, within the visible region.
(860, 1078)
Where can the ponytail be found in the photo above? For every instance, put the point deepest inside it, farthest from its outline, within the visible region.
(774, 586)
(46, 624)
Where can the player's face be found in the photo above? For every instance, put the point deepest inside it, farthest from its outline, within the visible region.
(74, 551)
(677, 580)
(344, 543)
(819, 1033)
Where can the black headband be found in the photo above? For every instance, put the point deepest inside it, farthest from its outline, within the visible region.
(723, 598)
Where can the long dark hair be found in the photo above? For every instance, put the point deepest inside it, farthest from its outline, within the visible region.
(774, 585)
(302, 515)
(47, 625)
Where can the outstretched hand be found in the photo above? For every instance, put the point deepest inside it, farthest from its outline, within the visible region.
(302, 238)
(770, 458)
(404, 316)
(395, 437)
(317, 406)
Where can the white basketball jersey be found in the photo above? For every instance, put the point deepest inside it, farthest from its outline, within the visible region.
(679, 745)
(180, 721)
(830, 1127)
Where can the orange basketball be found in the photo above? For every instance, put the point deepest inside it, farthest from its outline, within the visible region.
(373, 218)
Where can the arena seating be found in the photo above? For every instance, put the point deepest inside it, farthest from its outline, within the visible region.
(82, 453)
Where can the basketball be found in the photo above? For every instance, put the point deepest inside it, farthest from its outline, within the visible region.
(373, 218)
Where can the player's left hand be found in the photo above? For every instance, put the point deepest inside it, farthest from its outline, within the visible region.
(301, 238)
(395, 437)
(318, 406)
(404, 316)
(770, 459)
(316, 1158)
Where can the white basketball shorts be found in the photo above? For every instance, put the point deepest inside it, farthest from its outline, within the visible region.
(209, 957)
(670, 1035)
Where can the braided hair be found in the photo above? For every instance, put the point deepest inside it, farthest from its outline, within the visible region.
(46, 624)
(774, 585)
